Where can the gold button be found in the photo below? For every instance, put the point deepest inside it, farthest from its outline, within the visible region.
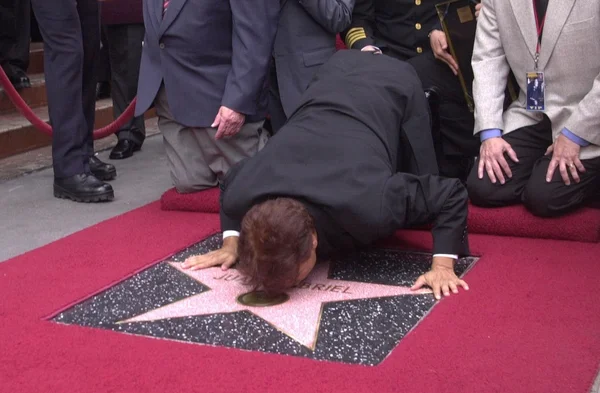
(419, 49)
(418, 26)
(418, 2)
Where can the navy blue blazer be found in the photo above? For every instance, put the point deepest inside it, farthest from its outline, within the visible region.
(209, 53)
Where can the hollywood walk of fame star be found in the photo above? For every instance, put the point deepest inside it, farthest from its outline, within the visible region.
(298, 318)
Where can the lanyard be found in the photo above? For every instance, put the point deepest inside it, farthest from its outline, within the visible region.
(539, 27)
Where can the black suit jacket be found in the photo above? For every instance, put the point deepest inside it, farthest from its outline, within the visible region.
(340, 154)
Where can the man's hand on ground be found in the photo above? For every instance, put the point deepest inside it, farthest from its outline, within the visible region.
(565, 156)
(492, 161)
(228, 122)
(441, 278)
(225, 257)
(439, 45)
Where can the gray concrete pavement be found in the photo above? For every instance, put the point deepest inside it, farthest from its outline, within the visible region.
(31, 217)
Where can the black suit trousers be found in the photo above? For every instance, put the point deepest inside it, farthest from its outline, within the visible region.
(17, 57)
(528, 183)
(456, 121)
(125, 54)
(8, 28)
(103, 60)
(71, 33)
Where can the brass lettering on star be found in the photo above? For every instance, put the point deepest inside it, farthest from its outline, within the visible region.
(323, 287)
(232, 277)
(303, 285)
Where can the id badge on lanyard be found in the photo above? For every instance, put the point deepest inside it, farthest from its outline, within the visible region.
(536, 85)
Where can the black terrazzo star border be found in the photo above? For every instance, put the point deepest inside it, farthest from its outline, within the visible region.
(362, 331)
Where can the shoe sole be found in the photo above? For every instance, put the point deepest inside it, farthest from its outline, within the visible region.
(63, 194)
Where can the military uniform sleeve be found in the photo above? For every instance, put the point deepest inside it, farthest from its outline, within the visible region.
(333, 15)
(360, 32)
(254, 27)
(410, 201)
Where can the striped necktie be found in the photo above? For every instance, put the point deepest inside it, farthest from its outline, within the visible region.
(165, 5)
(542, 6)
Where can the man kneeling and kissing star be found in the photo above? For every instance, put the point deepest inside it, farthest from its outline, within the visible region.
(353, 164)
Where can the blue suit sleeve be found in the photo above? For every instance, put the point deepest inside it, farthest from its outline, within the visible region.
(254, 27)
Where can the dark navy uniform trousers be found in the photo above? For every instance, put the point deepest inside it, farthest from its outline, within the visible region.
(71, 33)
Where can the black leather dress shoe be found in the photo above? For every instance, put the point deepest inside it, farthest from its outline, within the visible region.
(124, 149)
(102, 170)
(83, 188)
(20, 80)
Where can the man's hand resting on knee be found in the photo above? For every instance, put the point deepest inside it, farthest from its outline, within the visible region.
(441, 278)
(225, 257)
(565, 158)
(492, 161)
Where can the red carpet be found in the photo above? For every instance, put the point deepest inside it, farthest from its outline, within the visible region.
(204, 201)
(339, 44)
(582, 225)
(529, 324)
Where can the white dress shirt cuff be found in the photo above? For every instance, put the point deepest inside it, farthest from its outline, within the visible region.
(230, 233)
(453, 256)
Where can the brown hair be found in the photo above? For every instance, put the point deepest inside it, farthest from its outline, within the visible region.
(275, 238)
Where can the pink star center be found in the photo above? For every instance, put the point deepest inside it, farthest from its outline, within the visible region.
(298, 318)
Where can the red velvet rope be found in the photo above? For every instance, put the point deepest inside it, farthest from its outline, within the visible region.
(44, 127)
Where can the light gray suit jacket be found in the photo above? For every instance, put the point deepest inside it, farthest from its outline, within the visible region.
(305, 39)
(570, 59)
